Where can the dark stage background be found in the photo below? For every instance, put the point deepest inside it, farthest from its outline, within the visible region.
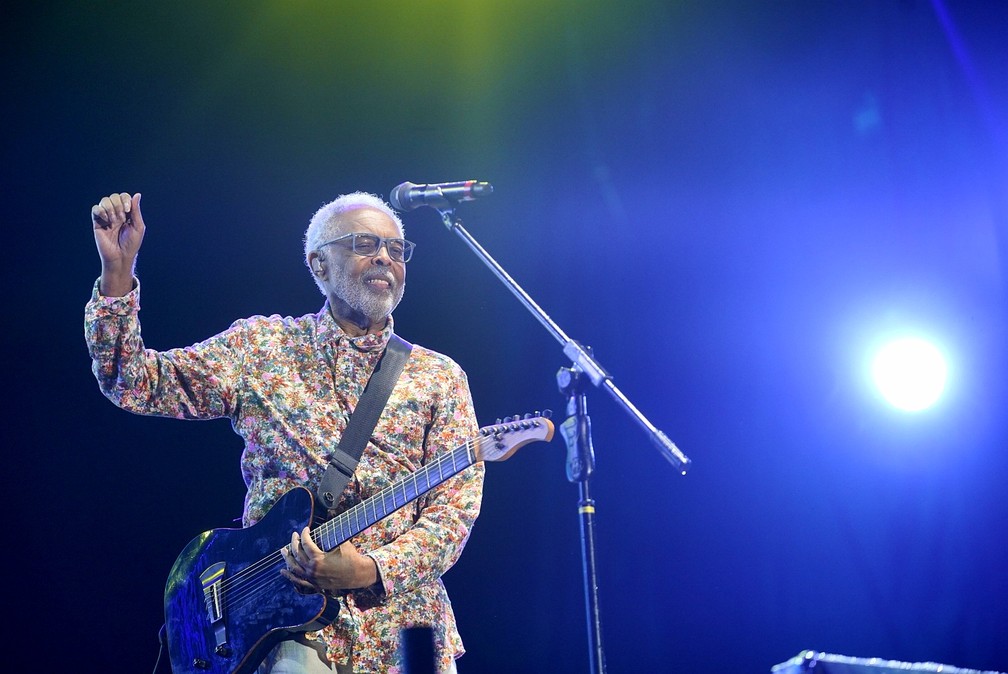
(731, 202)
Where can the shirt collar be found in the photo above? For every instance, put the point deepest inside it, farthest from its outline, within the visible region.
(330, 330)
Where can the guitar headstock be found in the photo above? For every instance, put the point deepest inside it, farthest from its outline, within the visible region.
(499, 441)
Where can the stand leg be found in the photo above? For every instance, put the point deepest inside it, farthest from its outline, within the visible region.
(580, 465)
(586, 508)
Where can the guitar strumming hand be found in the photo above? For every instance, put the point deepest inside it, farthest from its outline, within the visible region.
(313, 570)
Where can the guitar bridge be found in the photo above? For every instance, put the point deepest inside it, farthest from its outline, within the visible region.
(213, 601)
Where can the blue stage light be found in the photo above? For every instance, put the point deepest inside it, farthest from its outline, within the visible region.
(910, 372)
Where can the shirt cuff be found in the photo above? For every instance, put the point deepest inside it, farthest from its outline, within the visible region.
(127, 304)
(378, 588)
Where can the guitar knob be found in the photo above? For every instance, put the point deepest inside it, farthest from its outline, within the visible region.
(200, 663)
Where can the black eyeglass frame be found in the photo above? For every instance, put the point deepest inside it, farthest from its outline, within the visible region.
(405, 256)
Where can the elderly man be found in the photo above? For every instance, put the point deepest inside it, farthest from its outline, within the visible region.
(289, 385)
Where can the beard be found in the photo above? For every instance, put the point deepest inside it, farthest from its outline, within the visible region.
(377, 304)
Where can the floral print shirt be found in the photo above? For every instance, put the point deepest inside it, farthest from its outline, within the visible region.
(288, 386)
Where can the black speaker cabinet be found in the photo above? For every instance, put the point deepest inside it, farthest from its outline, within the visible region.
(811, 662)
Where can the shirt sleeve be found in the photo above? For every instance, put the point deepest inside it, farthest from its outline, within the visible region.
(434, 543)
(196, 382)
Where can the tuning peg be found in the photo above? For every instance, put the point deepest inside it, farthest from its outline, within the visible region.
(546, 414)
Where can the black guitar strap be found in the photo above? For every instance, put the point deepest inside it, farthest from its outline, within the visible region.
(363, 420)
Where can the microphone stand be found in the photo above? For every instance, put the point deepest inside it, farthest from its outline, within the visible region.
(576, 429)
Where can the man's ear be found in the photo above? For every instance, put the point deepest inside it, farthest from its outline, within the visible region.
(316, 263)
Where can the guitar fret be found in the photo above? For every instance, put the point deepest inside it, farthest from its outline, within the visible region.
(395, 496)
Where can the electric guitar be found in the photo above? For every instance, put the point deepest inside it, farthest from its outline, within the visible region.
(226, 604)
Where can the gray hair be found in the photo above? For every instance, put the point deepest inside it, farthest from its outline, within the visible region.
(326, 224)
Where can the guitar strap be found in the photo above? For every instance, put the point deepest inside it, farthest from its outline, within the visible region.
(363, 420)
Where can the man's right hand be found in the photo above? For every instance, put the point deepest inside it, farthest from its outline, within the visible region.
(118, 230)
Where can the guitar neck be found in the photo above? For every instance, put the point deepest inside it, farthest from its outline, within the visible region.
(344, 526)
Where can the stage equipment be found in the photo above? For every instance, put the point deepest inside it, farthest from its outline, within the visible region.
(408, 196)
(826, 663)
(417, 647)
(572, 383)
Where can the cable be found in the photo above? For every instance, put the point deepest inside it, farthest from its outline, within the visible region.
(162, 637)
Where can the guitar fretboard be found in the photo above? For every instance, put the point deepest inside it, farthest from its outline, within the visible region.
(355, 520)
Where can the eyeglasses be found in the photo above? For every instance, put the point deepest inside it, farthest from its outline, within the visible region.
(368, 245)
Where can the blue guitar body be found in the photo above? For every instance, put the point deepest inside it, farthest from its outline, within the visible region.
(226, 604)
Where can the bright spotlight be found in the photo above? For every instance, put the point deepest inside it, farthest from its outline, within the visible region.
(910, 373)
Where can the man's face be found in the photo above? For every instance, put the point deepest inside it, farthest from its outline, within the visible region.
(372, 286)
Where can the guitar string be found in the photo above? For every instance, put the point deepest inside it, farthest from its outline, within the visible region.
(254, 583)
(252, 575)
(246, 583)
(342, 518)
(252, 578)
(324, 532)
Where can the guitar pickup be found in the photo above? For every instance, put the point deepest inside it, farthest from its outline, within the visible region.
(211, 580)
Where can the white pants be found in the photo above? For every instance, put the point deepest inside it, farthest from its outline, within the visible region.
(300, 656)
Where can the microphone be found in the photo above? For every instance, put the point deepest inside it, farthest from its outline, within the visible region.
(408, 196)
